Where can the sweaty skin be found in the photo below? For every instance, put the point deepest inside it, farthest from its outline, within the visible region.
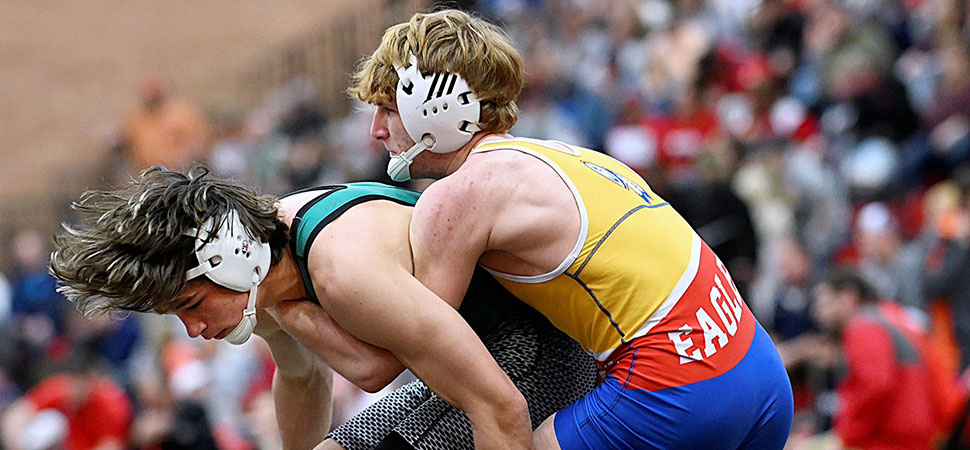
(364, 328)
(380, 308)
(525, 222)
(505, 210)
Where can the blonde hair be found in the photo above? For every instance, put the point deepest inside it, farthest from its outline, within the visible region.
(448, 41)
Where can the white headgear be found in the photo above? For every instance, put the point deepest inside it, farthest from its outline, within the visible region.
(439, 111)
(233, 259)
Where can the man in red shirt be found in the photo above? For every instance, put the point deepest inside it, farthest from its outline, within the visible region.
(98, 411)
(888, 395)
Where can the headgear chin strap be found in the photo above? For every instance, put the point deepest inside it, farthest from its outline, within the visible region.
(439, 112)
(232, 259)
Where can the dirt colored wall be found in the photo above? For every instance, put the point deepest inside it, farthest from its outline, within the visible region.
(71, 69)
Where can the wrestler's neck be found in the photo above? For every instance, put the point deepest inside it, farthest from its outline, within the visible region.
(282, 283)
(447, 163)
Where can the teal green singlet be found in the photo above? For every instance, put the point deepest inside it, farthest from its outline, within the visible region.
(485, 303)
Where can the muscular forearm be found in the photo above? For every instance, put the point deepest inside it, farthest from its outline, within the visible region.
(497, 410)
(302, 393)
(369, 367)
(371, 292)
(502, 428)
(303, 408)
(442, 350)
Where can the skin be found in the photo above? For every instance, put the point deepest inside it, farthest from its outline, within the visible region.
(505, 210)
(834, 308)
(365, 328)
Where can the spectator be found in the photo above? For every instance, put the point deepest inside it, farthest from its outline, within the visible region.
(889, 264)
(79, 406)
(34, 295)
(889, 396)
(164, 130)
(829, 108)
(681, 137)
(163, 422)
(948, 276)
(787, 313)
(787, 316)
(233, 148)
(720, 217)
(949, 118)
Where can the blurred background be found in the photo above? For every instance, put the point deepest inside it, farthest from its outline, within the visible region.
(795, 135)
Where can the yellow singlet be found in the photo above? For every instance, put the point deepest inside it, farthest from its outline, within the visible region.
(631, 262)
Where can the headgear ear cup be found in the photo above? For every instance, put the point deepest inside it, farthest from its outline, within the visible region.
(233, 259)
(439, 112)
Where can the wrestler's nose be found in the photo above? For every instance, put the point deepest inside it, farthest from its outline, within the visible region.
(193, 326)
(378, 127)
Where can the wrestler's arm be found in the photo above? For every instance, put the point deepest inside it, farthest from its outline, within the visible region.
(378, 300)
(447, 237)
(450, 230)
(368, 367)
(302, 392)
(461, 217)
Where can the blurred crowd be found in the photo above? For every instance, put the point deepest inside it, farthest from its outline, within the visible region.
(796, 136)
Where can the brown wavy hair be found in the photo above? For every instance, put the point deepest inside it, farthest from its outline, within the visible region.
(448, 41)
(129, 251)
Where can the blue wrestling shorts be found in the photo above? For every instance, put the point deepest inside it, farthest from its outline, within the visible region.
(701, 374)
(747, 407)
